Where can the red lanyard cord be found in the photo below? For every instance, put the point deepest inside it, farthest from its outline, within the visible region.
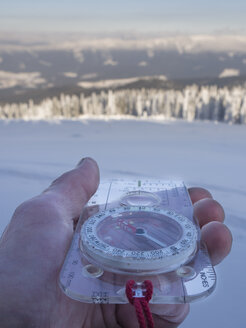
(139, 296)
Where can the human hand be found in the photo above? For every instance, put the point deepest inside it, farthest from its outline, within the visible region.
(34, 244)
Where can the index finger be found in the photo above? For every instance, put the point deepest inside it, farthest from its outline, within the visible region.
(197, 194)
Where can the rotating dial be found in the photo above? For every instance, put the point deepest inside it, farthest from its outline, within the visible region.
(138, 239)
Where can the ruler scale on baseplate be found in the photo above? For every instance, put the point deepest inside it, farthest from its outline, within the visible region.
(138, 229)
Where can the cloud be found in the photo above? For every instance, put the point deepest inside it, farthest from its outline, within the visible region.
(110, 62)
(142, 63)
(244, 61)
(70, 74)
(198, 43)
(1, 59)
(227, 72)
(26, 80)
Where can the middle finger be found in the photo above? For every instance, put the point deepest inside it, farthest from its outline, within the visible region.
(207, 210)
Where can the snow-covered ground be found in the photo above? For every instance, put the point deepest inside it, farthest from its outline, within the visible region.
(201, 153)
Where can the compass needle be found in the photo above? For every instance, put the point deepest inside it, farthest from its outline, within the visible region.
(158, 242)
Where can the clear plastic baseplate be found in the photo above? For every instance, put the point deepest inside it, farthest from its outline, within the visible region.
(85, 279)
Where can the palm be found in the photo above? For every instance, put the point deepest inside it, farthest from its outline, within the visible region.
(45, 253)
(32, 252)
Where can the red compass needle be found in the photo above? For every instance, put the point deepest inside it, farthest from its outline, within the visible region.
(125, 225)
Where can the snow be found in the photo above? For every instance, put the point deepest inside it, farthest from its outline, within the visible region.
(205, 154)
(110, 62)
(78, 54)
(143, 63)
(227, 72)
(117, 82)
(89, 76)
(27, 80)
(45, 63)
(70, 74)
(150, 53)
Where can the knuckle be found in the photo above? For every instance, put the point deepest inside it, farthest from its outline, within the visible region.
(40, 206)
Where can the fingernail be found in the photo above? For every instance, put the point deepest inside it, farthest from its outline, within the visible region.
(83, 160)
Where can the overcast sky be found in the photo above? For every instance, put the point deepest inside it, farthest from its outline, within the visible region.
(192, 16)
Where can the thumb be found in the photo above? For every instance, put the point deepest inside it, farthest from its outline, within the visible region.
(64, 199)
(72, 190)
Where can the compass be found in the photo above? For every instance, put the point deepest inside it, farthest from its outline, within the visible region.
(138, 239)
(138, 229)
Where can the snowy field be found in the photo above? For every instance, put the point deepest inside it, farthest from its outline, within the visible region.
(201, 153)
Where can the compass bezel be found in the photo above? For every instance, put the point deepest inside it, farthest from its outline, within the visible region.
(117, 259)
